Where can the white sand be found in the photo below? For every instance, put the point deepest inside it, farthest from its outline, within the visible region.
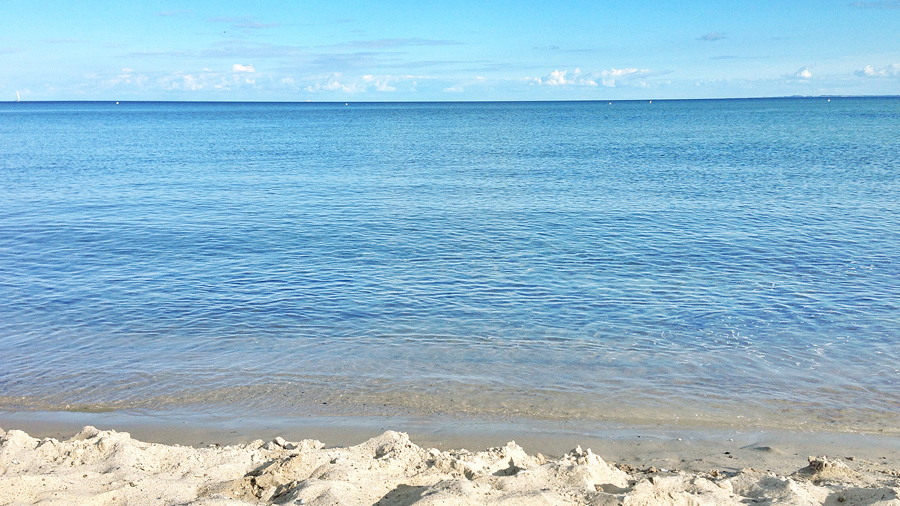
(110, 468)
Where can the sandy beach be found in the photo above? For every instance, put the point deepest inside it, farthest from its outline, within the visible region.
(108, 467)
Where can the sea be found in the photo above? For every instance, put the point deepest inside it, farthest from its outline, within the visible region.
(726, 263)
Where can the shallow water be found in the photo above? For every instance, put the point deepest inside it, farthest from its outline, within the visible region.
(729, 261)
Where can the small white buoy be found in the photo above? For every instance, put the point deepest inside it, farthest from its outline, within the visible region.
(346, 103)
(829, 100)
(117, 103)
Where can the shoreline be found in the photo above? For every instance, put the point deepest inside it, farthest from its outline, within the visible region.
(687, 447)
(483, 464)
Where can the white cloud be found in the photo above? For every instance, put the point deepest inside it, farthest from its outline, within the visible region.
(127, 77)
(870, 71)
(557, 78)
(237, 67)
(363, 84)
(332, 83)
(205, 81)
(189, 82)
(803, 73)
(380, 83)
(607, 78)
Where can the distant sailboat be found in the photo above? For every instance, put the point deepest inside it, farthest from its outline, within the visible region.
(17, 95)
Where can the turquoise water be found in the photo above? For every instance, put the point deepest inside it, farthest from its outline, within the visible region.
(727, 261)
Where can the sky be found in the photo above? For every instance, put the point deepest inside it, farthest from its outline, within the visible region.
(334, 50)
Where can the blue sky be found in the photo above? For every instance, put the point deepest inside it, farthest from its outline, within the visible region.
(452, 50)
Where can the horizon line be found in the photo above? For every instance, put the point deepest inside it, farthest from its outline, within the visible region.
(448, 101)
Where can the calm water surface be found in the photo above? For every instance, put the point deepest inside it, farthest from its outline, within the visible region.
(728, 262)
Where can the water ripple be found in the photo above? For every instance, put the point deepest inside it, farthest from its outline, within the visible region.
(699, 258)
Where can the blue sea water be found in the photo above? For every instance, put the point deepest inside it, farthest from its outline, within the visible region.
(722, 261)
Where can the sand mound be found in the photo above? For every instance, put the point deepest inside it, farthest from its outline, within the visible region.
(110, 468)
